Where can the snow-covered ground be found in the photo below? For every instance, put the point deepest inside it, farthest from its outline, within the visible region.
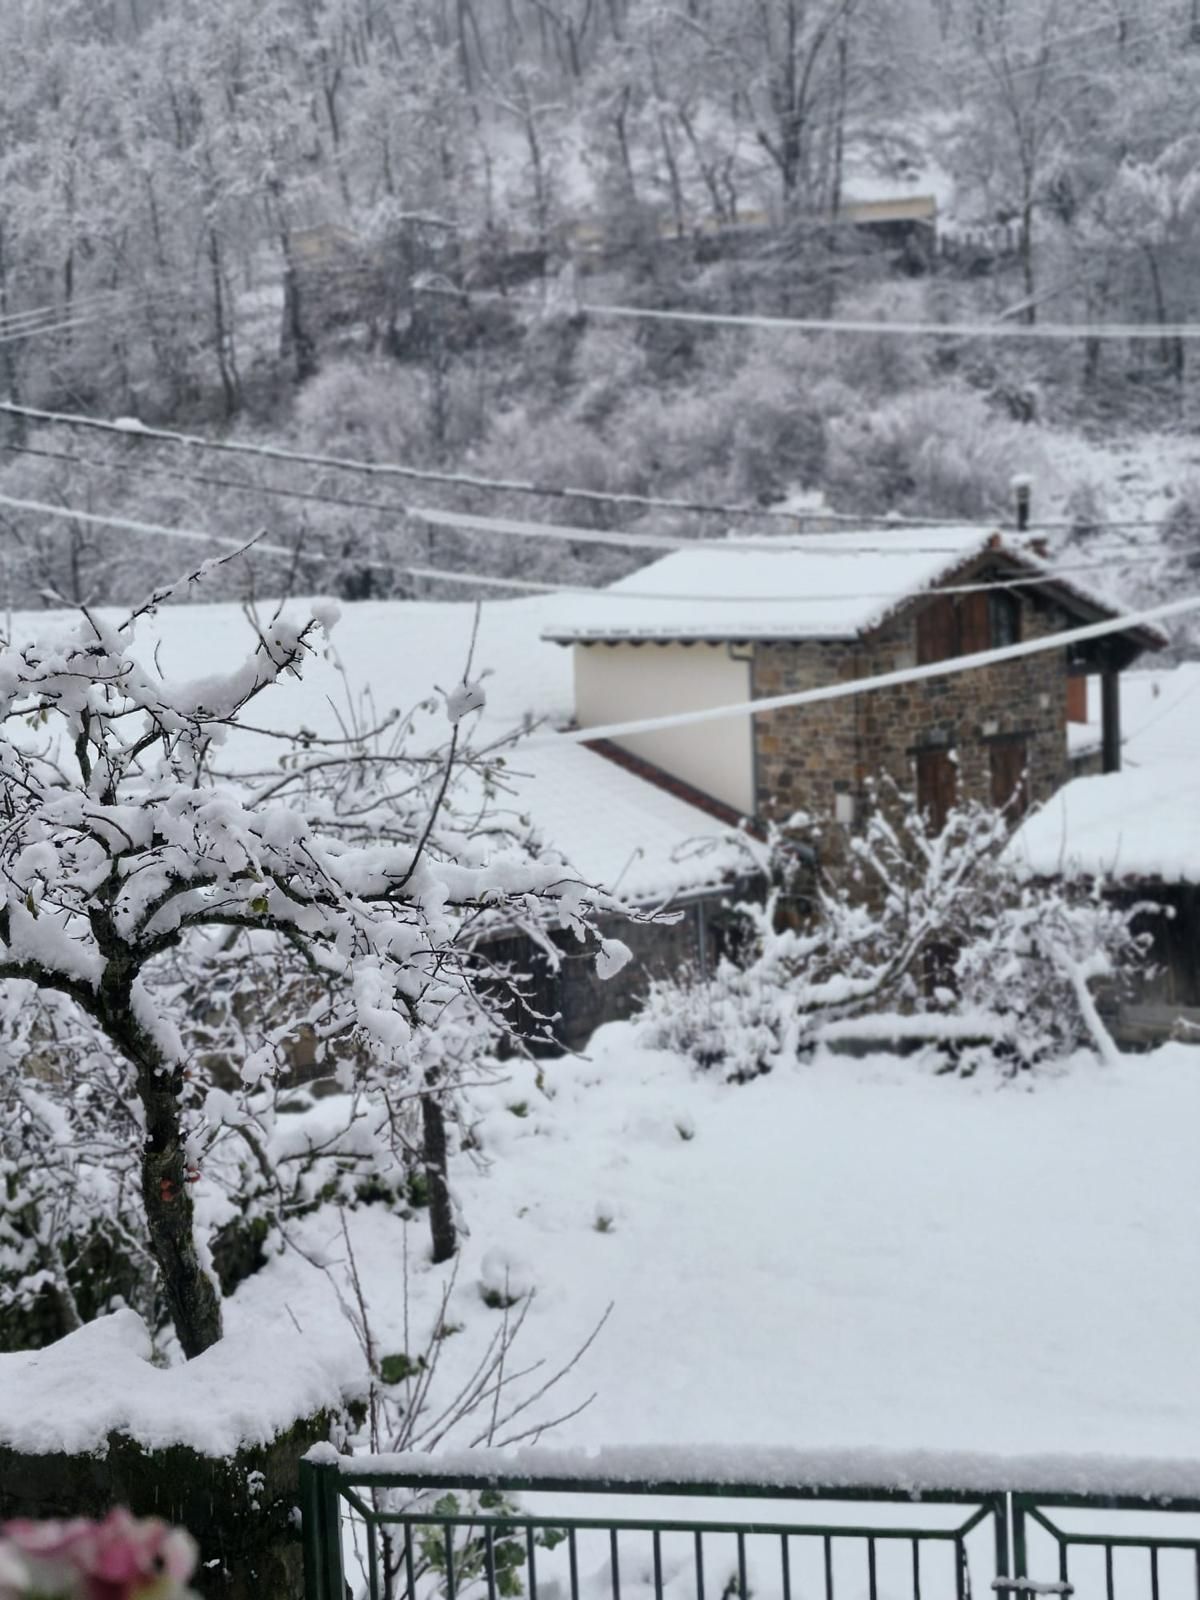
(1137, 478)
(1143, 822)
(845, 1255)
(841, 1255)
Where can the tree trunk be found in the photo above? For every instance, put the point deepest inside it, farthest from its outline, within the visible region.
(16, 424)
(223, 338)
(674, 180)
(1028, 273)
(442, 1230)
(191, 1297)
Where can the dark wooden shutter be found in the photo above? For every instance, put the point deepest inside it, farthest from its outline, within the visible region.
(937, 632)
(937, 786)
(1010, 782)
(974, 623)
(1077, 698)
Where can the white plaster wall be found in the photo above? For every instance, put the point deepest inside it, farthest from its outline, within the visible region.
(614, 683)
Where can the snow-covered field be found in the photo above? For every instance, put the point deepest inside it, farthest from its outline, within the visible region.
(845, 1255)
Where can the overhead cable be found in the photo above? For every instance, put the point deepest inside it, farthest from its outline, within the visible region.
(885, 680)
(866, 522)
(856, 327)
(66, 513)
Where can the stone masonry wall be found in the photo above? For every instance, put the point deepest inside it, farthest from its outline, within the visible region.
(808, 755)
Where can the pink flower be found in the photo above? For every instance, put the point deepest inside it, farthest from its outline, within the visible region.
(120, 1558)
(14, 1573)
(47, 1553)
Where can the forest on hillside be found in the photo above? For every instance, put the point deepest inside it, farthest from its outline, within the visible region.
(370, 229)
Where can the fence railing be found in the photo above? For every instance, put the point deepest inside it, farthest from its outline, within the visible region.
(405, 1536)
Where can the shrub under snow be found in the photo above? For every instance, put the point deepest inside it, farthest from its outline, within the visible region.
(939, 929)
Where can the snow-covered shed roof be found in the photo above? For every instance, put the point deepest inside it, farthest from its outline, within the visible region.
(832, 586)
(615, 829)
(1142, 823)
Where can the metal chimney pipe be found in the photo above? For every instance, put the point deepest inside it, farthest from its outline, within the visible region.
(1023, 492)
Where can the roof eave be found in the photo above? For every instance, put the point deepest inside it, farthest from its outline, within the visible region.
(735, 637)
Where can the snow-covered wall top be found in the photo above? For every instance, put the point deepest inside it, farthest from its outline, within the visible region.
(248, 1389)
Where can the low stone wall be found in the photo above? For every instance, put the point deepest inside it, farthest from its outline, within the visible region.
(574, 993)
(242, 1512)
(1167, 998)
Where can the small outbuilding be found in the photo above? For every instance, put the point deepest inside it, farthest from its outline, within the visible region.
(735, 620)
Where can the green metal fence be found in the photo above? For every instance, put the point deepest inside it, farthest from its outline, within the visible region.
(393, 1536)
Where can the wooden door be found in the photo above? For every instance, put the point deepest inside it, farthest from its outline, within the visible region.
(974, 624)
(1010, 777)
(937, 631)
(937, 786)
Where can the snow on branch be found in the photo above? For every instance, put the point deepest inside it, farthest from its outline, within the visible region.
(186, 920)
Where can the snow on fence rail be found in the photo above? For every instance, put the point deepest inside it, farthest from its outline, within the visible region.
(929, 1525)
(769, 1473)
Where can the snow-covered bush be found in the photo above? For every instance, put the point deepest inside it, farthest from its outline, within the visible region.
(192, 924)
(932, 452)
(73, 1240)
(931, 926)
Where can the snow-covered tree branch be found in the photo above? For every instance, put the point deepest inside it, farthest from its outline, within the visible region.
(150, 885)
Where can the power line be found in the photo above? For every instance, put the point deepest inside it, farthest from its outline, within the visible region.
(499, 526)
(55, 308)
(511, 527)
(122, 309)
(491, 525)
(1052, 331)
(886, 680)
(134, 430)
(201, 536)
(831, 546)
(1093, 53)
(443, 575)
(462, 480)
(51, 327)
(950, 55)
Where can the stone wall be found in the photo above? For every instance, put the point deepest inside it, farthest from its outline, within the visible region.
(581, 1001)
(241, 1511)
(809, 755)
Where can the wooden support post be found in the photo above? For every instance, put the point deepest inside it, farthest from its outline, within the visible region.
(1110, 703)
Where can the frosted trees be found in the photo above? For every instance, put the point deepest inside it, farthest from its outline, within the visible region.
(1028, 107)
(179, 912)
(782, 62)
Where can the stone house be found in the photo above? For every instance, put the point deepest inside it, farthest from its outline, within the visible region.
(737, 621)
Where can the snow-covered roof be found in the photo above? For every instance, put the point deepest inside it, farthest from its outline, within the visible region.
(1142, 823)
(814, 586)
(616, 830)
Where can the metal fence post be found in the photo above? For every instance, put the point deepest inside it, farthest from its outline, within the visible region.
(320, 1509)
(1000, 1517)
(1020, 1553)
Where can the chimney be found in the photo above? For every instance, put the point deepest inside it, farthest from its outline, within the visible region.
(1022, 486)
